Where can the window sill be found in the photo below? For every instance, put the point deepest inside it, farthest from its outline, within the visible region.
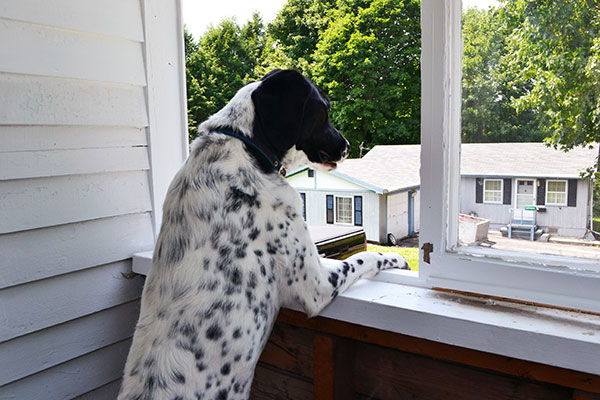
(549, 336)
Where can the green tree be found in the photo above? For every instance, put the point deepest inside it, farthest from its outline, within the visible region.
(295, 32)
(554, 51)
(223, 60)
(368, 62)
(487, 112)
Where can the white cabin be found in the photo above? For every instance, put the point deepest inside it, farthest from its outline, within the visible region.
(377, 192)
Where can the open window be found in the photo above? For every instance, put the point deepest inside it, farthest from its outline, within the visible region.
(556, 280)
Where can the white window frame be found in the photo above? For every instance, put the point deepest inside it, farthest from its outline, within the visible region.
(166, 98)
(566, 192)
(335, 210)
(485, 181)
(558, 281)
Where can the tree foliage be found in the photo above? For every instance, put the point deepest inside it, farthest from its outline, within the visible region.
(554, 51)
(368, 62)
(488, 115)
(223, 60)
(364, 55)
(531, 68)
(296, 31)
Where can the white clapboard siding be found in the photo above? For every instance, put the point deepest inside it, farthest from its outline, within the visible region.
(41, 350)
(35, 203)
(36, 100)
(42, 253)
(41, 304)
(36, 164)
(49, 51)
(120, 18)
(35, 138)
(73, 378)
(90, 93)
(106, 392)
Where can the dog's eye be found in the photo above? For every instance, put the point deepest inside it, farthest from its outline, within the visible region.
(321, 117)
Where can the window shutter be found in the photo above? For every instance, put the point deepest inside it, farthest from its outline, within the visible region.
(303, 196)
(541, 192)
(358, 213)
(329, 208)
(479, 190)
(507, 191)
(572, 193)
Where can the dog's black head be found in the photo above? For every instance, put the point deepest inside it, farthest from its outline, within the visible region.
(291, 119)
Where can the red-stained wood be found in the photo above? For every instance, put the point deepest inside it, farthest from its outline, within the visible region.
(492, 362)
(324, 366)
(290, 349)
(581, 395)
(273, 384)
(388, 374)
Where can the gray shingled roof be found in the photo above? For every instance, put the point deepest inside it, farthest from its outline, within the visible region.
(524, 160)
(388, 168)
(396, 167)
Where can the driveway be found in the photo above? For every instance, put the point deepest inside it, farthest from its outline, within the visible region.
(564, 248)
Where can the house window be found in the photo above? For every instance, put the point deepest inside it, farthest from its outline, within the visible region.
(303, 197)
(556, 193)
(492, 191)
(311, 173)
(343, 210)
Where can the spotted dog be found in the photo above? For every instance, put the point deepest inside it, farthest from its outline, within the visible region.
(233, 247)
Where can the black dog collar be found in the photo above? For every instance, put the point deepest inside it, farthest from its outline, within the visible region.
(274, 162)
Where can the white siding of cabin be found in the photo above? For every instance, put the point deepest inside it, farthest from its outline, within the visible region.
(397, 210)
(316, 211)
(332, 182)
(78, 113)
(382, 213)
(398, 213)
(302, 180)
(323, 183)
(498, 214)
(568, 221)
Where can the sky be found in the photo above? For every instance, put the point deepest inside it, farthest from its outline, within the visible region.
(198, 15)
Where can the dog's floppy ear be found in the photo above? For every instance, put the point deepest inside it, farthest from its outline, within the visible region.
(279, 106)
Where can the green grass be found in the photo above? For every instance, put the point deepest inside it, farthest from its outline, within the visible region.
(596, 224)
(411, 254)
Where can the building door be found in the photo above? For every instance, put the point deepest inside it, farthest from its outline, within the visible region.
(525, 193)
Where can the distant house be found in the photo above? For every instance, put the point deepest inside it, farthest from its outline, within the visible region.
(381, 191)
(500, 176)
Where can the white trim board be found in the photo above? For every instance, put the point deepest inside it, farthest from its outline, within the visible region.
(549, 336)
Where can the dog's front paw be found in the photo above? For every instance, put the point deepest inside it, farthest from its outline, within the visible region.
(391, 260)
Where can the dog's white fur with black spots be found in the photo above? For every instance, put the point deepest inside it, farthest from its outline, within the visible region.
(233, 247)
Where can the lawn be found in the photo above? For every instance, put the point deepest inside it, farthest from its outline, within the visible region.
(596, 224)
(411, 254)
